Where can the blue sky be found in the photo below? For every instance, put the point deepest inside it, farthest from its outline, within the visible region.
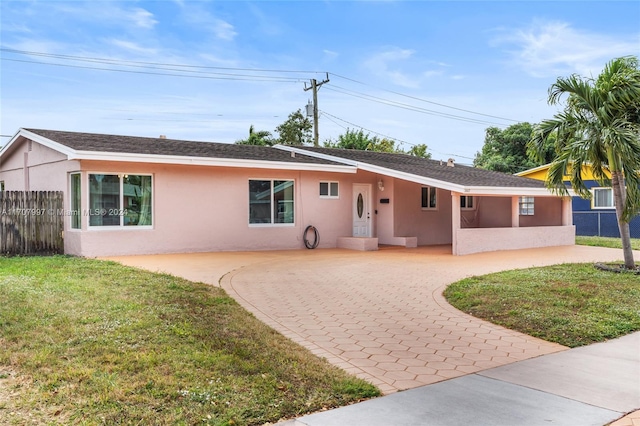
(428, 72)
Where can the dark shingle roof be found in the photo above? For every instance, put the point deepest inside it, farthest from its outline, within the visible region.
(433, 169)
(171, 147)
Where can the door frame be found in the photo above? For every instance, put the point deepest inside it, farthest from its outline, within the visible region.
(368, 207)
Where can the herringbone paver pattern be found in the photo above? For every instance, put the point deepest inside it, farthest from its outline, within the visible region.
(380, 315)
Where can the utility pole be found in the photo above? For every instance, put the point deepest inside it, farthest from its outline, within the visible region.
(314, 86)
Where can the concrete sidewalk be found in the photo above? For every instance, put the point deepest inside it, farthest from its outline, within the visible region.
(592, 385)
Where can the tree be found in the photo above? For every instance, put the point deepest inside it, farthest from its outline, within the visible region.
(296, 130)
(420, 150)
(261, 137)
(353, 139)
(599, 126)
(506, 150)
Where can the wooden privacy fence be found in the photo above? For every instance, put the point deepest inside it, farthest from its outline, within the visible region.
(31, 222)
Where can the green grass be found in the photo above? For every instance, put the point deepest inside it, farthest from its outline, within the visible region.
(606, 242)
(93, 342)
(571, 304)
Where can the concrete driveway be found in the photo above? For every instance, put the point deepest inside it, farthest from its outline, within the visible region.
(379, 315)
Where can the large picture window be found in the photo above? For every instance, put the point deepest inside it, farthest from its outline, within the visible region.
(120, 200)
(429, 199)
(271, 202)
(602, 198)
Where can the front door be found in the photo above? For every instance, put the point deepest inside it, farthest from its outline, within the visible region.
(361, 210)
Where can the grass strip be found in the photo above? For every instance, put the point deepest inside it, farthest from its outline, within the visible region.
(95, 342)
(570, 304)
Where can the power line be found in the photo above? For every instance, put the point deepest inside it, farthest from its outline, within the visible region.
(209, 76)
(329, 116)
(427, 101)
(126, 62)
(410, 107)
(193, 69)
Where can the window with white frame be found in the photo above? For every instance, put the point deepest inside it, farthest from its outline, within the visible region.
(602, 198)
(527, 206)
(467, 202)
(429, 198)
(120, 200)
(329, 190)
(271, 202)
(74, 208)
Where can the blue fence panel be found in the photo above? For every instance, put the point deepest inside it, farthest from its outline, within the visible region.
(602, 224)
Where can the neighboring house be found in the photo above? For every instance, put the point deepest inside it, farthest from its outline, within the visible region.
(134, 195)
(595, 216)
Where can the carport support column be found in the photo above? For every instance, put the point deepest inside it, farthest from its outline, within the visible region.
(455, 221)
(515, 212)
(567, 211)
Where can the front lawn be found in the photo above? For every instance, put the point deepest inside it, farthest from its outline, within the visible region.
(92, 342)
(571, 304)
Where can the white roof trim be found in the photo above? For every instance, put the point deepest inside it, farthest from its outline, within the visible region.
(466, 190)
(39, 139)
(208, 161)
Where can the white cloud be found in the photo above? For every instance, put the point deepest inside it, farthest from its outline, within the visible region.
(142, 18)
(131, 46)
(330, 54)
(381, 64)
(195, 14)
(224, 30)
(549, 49)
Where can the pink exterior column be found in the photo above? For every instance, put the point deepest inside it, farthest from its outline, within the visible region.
(515, 212)
(455, 221)
(567, 211)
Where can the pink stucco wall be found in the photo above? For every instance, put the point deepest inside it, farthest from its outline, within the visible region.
(45, 169)
(431, 227)
(206, 209)
(477, 240)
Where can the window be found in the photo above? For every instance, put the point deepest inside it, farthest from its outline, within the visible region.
(1, 185)
(429, 200)
(466, 202)
(120, 200)
(602, 198)
(526, 206)
(75, 201)
(271, 202)
(328, 189)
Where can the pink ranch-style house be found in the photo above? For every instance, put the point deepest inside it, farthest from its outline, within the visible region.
(129, 195)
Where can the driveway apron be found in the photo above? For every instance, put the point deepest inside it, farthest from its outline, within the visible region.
(379, 315)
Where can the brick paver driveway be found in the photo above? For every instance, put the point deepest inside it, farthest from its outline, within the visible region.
(379, 315)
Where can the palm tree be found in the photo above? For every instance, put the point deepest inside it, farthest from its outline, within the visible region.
(600, 127)
(261, 137)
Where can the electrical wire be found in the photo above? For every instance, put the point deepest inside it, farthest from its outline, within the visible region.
(411, 107)
(332, 117)
(184, 70)
(424, 100)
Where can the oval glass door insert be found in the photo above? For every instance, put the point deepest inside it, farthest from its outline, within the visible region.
(360, 204)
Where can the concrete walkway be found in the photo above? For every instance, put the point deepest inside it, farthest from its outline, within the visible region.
(592, 385)
(379, 315)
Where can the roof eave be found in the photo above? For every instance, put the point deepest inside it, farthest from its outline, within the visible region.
(208, 161)
(468, 190)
